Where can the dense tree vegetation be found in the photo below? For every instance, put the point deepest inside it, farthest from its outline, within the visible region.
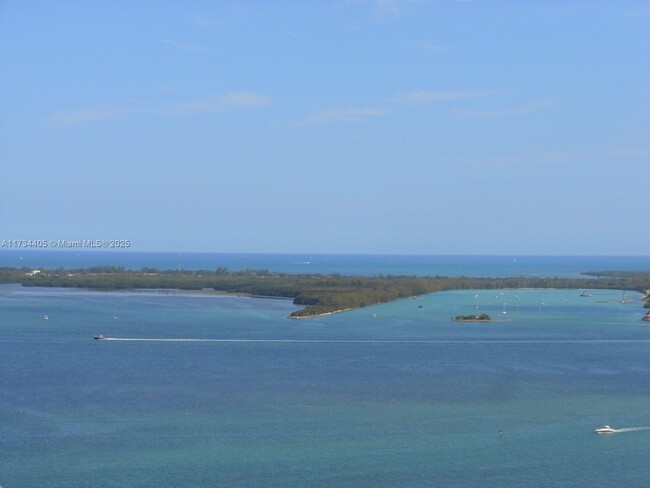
(619, 274)
(318, 293)
(473, 318)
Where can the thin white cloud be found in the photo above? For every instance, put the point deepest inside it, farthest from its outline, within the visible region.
(204, 21)
(223, 102)
(409, 98)
(384, 10)
(170, 89)
(227, 101)
(396, 6)
(388, 6)
(183, 45)
(432, 47)
(534, 106)
(75, 117)
(426, 46)
(425, 96)
(348, 115)
(561, 158)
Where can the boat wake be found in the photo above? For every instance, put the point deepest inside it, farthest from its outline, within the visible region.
(630, 429)
(135, 339)
(388, 341)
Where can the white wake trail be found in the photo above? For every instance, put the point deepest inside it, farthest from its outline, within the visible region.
(631, 429)
(387, 341)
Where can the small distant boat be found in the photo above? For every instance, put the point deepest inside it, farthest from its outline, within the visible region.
(585, 294)
(45, 317)
(605, 429)
(114, 314)
(99, 337)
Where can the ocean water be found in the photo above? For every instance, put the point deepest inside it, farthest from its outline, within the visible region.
(347, 264)
(391, 395)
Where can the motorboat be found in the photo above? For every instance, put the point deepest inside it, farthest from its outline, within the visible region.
(99, 337)
(605, 429)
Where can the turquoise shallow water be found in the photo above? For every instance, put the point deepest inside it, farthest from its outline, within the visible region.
(75, 412)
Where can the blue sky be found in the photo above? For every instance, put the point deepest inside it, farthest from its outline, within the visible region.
(349, 126)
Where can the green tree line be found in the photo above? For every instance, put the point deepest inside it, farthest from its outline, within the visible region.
(317, 293)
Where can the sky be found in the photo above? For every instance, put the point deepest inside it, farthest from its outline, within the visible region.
(343, 126)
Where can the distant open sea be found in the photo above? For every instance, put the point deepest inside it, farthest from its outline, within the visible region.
(347, 264)
(393, 395)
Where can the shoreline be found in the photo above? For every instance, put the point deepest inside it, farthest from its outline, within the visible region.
(177, 291)
(471, 320)
(304, 317)
(152, 291)
(645, 296)
(318, 295)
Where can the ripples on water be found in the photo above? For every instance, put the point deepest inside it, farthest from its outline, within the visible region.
(225, 391)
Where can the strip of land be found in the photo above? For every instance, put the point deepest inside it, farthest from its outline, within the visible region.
(318, 294)
(473, 318)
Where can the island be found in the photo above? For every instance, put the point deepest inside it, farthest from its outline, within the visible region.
(473, 318)
(640, 277)
(318, 294)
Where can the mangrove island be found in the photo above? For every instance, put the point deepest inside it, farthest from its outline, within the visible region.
(473, 318)
(318, 294)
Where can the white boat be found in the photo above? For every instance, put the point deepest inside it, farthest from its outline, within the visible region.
(605, 429)
(99, 337)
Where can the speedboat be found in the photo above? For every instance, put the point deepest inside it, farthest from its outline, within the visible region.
(99, 337)
(605, 429)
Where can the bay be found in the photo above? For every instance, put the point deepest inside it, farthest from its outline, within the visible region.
(390, 395)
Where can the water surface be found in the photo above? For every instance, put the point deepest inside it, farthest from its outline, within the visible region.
(510, 403)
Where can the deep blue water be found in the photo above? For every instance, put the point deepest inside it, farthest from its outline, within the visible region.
(351, 264)
(405, 398)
